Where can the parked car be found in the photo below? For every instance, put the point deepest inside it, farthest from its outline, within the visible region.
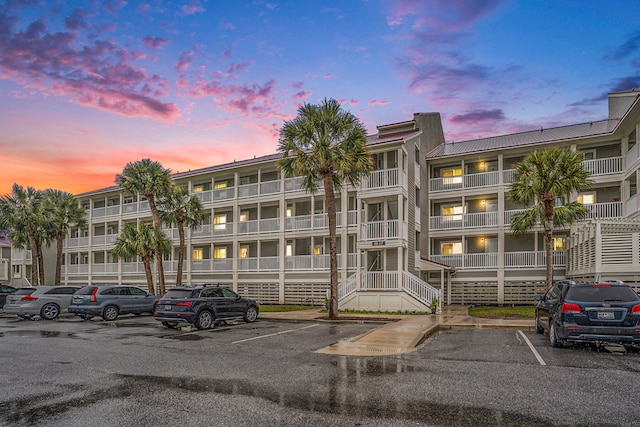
(589, 312)
(4, 291)
(203, 306)
(44, 301)
(109, 301)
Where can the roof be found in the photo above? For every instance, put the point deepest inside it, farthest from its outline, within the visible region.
(540, 136)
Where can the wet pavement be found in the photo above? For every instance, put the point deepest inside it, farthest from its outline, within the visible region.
(403, 334)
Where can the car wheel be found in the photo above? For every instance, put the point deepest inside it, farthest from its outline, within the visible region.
(553, 336)
(251, 314)
(50, 311)
(204, 320)
(110, 313)
(539, 328)
(170, 325)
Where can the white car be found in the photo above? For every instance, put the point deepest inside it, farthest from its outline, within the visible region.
(44, 301)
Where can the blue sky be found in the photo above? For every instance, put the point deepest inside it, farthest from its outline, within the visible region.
(88, 86)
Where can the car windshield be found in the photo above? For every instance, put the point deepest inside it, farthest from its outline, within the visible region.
(25, 291)
(178, 293)
(602, 293)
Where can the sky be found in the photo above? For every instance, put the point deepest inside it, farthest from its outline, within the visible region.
(88, 86)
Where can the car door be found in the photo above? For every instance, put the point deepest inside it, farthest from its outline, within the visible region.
(547, 305)
(217, 301)
(234, 303)
(140, 301)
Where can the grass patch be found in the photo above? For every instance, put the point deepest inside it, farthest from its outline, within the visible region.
(515, 312)
(282, 308)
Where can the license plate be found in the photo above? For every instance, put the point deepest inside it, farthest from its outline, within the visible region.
(167, 307)
(606, 315)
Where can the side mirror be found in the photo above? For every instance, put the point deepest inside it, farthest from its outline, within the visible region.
(537, 298)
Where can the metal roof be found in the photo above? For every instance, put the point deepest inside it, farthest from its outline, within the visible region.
(539, 136)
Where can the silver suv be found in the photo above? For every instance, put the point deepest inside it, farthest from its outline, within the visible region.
(44, 301)
(109, 301)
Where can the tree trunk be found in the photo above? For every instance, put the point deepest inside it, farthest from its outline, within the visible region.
(548, 243)
(41, 279)
(158, 225)
(147, 271)
(333, 253)
(35, 276)
(180, 253)
(59, 241)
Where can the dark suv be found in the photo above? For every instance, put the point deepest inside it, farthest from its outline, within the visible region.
(203, 306)
(110, 301)
(583, 312)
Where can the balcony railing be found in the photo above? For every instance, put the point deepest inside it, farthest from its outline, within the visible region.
(484, 179)
(379, 280)
(247, 190)
(535, 259)
(382, 178)
(471, 220)
(604, 210)
(380, 230)
(605, 166)
(532, 259)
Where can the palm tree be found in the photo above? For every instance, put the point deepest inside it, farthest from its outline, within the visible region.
(540, 179)
(149, 179)
(63, 212)
(177, 207)
(21, 212)
(144, 241)
(328, 145)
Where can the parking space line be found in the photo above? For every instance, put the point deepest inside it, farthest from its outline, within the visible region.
(533, 349)
(277, 333)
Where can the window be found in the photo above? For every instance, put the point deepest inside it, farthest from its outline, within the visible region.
(451, 248)
(197, 254)
(318, 250)
(198, 188)
(220, 185)
(244, 251)
(559, 201)
(244, 216)
(289, 249)
(589, 154)
(289, 211)
(452, 213)
(220, 253)
(558, 243)
(452, 176)
(220, 222)
(587, 199)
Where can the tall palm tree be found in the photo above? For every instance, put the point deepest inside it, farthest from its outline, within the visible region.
(151, 180)
(179, 208)
(540, 179)
(144, 241)
(326, 144)
(63, 212)
(21, 212)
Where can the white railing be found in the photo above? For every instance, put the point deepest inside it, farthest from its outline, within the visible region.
(293, 184)
(470, 220)
(605, 166)
(472, 261)
(248, 264)
(445, 222)
(300, 222)
(298, 262)
(223, 193)
(201, 265)
(380, 280)
(222, 264)
(347, 287)
(247, 190)
(223, 229)
(379, 230)
(352, 261)
(247, 227)
(204, 196)
(269, 225)
(508, 176)
(270, 187)
(508, 215)
(474, 180)
(420, 289)
(133, 267)
(203, 230)
(269, 263)
(19, 256)
(604, 210)
(104, 239)
(380, 179)
(129, 208)
(322, 220)
(78, 269)
(75, 242)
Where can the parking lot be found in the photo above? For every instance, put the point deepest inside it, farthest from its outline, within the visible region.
(135, 372)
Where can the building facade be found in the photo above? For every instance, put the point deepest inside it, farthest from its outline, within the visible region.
(432, 220)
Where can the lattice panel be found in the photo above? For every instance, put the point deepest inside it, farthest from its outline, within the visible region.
(522, 292)
(474, 293)
(617, 249)
(263, 293)
(305, 293)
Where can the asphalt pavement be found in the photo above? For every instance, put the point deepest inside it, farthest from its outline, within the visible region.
(399, 334)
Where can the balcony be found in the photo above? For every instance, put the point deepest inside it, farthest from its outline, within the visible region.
(380, 179)
(78, 242)
(471, 261)
(108, 211)
(380, 230)
(605, 166)
(104, 239)
(529, 259)
(533, 259)
(21, 256)
(604, 210)
(470, 220)
(475, 180)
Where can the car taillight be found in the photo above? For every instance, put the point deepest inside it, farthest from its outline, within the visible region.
(185, 303)
(28, 298)
(602, 285)
(568, 308)
(635, 309)
(93, 295)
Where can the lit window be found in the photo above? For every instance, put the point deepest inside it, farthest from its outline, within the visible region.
(451, 248)
(318, 250)
(452, 176)
(220, 253)
(197, 255)
(220, 222)
(452, 213)
(289, 250)
(587, 199)
(244, 216)
(558, 243)
(219, 185)
(198, 189)
(289, 211)
(244, 252)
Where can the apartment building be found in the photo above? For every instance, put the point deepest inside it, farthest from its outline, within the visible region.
(267, 238)
(470, 213)
(432, 220)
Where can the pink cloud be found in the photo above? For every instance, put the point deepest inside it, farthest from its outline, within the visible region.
(185, 59)
(192, 8)
(98, 74)
(155, 42)
(375, 102)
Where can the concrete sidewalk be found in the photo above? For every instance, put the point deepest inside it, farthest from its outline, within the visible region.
(399, 336)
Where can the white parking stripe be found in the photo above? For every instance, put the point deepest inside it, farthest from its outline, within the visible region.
(277, 333)
(533, 349)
